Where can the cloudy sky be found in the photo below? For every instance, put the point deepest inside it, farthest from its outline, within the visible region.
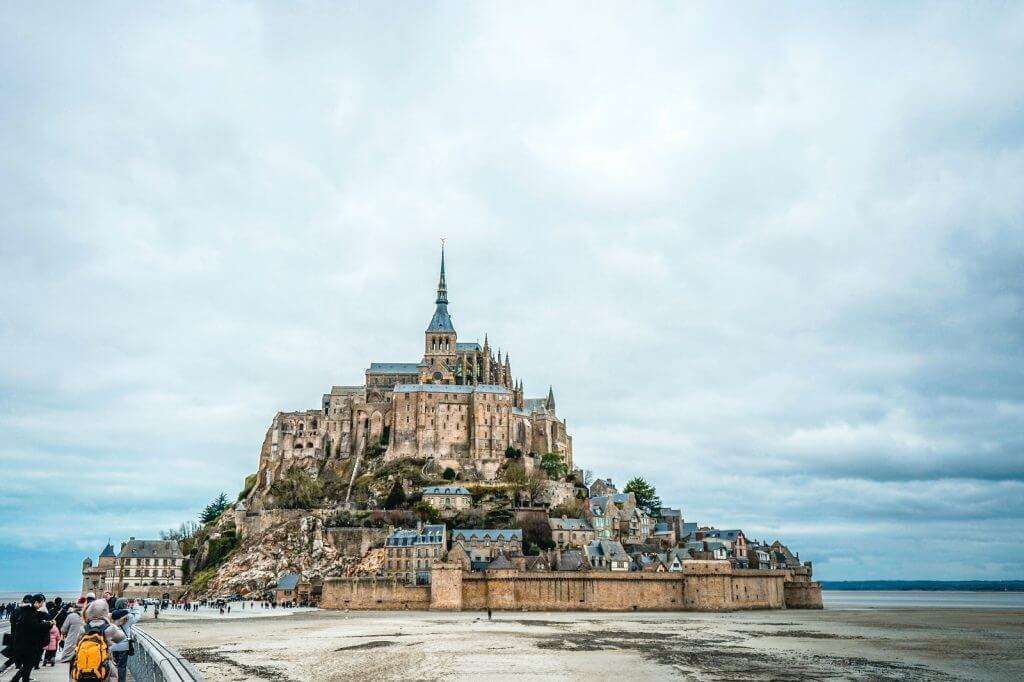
(769, 257)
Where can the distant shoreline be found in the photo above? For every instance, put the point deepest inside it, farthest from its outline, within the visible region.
(924, 585)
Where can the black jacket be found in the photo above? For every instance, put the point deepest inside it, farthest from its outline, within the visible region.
(31, 632)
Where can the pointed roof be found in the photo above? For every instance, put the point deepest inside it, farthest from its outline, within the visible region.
(441, 321)
(108, 550)
(551, 399)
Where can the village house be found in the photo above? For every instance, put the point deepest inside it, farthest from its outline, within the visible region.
(410, 552)
(607, 555)
(735, 542)
(567, 533)
(602, 487)
(448, 500)
(491, 542)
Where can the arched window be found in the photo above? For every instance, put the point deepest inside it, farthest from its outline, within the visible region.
(298, 446)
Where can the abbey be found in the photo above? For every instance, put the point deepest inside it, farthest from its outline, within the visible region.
(460, 405)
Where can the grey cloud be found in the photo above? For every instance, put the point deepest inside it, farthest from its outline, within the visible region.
(770, 258)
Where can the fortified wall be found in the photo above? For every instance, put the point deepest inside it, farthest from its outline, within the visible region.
(701, 586)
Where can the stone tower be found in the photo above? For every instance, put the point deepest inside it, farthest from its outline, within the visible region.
(439, 343)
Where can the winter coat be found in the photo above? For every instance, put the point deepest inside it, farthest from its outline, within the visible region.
(98, 615)
(72, 631)
(134, 614)
(54, 638)
(31, 633)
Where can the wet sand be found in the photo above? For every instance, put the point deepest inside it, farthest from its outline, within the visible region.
(837, 643)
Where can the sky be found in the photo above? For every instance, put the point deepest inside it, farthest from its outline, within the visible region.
(769, 256)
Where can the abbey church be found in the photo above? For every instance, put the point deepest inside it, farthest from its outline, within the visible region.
(459, 405)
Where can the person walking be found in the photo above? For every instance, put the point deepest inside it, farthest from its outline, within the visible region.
(50, 653)
(97, 620)
(125, 615)
(71, 630)
(30, 637)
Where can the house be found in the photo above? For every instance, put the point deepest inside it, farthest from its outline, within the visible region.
(649, 562)
(570, 532)
(572, 560)
(611, 515)
(607, 555)
(493, 540)
(448, 500)
(687, 531)
(664, 534)
(634, 525)
(735, 541)
(759, 556)
(288, 587)
(602, 487)
(410, 552)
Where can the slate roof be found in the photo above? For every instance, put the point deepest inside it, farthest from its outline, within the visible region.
(441, 321)
(534, 405)
(723, 534)
(108, 550)
(431, 534)
(609, 549)
(445, 490)
(688, 529)
(570, 561)
(469, 345)
(502, 534)
(500, 563)
(288, 581)
(661, 528)
(150, 548)
(450, 388)
(569, 524)
(394, 368)
(669, 512)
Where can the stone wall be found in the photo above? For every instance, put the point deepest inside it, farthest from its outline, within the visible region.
(373, 594)
(153, 592)
(257, 522)
(803, 595)
(702, 586)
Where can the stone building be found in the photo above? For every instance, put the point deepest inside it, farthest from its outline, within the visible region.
(448, 499)
(490, 542)
(410, 552)
(140, 563)
(94, 578)
(566, 533)
(460, 405)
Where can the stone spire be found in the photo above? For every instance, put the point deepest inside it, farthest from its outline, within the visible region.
(550, 403)
(441, 321)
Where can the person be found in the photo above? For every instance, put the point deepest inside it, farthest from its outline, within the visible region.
(8, 650)
(119, 652)
(488, 613)
(31, 633)
(51, 646)
(71, 630)
(97, 619)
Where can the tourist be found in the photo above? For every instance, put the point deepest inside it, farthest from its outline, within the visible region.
(31, 633)
(50, 653)
(8, 650)
(125, 616)
(71, 630)
(97, 619)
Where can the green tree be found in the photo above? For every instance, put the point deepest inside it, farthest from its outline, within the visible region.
(213, 510)
(553, 465)
(395, 498)
(646, 496)
(297, 490)
(426, 512)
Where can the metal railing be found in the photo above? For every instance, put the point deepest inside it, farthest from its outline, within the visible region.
(154, 661)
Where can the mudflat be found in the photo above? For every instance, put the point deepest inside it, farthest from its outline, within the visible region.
(837, 643)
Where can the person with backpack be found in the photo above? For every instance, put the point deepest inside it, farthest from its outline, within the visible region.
(92, 660)
(31, 634)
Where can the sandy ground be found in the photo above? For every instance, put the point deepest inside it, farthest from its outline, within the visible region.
(863, 644)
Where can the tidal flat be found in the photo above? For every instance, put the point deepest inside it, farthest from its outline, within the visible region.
(837, 643)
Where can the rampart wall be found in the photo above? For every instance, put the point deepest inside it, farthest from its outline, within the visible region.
(702, 586)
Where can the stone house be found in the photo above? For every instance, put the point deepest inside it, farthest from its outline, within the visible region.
(607, 555)
(139, 563)
(491, 541)
(410, 552)
(602, 488)
(566, 533)
(735, 542)
(448, 500)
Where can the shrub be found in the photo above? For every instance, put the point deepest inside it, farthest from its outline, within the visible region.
(297, 490)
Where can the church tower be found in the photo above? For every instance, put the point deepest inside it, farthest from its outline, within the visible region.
(439, 346)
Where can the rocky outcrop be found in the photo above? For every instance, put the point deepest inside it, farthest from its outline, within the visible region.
(300, 545)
